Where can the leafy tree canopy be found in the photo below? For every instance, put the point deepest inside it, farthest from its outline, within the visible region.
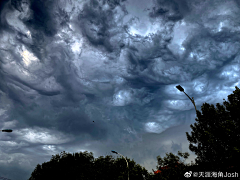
(171, 167)
(83, 166)
(215, 137)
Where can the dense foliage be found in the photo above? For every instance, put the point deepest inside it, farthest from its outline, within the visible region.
(217, 134)
(171, 167)
(84, 166)
(66, 166)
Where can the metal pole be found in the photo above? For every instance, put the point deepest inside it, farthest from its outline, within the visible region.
(192, 101)
(127, 164)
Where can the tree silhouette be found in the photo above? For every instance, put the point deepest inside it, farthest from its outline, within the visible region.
(103, 168)
(171, 167)
(136, 171)
(37, 173)
(84, 166)
(66, 166)
(217, 134)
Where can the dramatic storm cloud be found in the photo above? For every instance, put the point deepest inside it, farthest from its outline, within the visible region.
(67, 63)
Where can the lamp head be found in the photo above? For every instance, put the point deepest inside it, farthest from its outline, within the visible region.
(180, 88)
(7, 130)
(114, 151)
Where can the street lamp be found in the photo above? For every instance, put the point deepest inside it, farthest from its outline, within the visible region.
(124, 158)
(7, 130)
(182, 90)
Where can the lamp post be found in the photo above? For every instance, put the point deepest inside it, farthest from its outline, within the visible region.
(7, 130)
(124, 158)
(182, 90)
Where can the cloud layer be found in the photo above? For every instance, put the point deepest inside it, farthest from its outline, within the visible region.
(65, 64)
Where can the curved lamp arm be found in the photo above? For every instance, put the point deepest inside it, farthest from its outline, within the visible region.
(124, 158)
(127, 164)
(192, 101)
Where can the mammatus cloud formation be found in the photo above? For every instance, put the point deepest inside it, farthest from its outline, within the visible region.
(65, 64)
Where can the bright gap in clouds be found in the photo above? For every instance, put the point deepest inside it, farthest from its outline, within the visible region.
(27, 56)
(29, 34)
(143, 29)
(220, 26)
(76, 47)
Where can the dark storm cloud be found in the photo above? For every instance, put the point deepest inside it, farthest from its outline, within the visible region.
(17, 4)
(42, 19)
(98, 22)
(65, 64)
(172, 10)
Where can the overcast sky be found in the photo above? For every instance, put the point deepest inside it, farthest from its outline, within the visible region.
(67, 63)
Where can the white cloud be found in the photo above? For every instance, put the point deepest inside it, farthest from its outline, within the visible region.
(122, 98)
(27, 56)
(42, 135)
(154, 127)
